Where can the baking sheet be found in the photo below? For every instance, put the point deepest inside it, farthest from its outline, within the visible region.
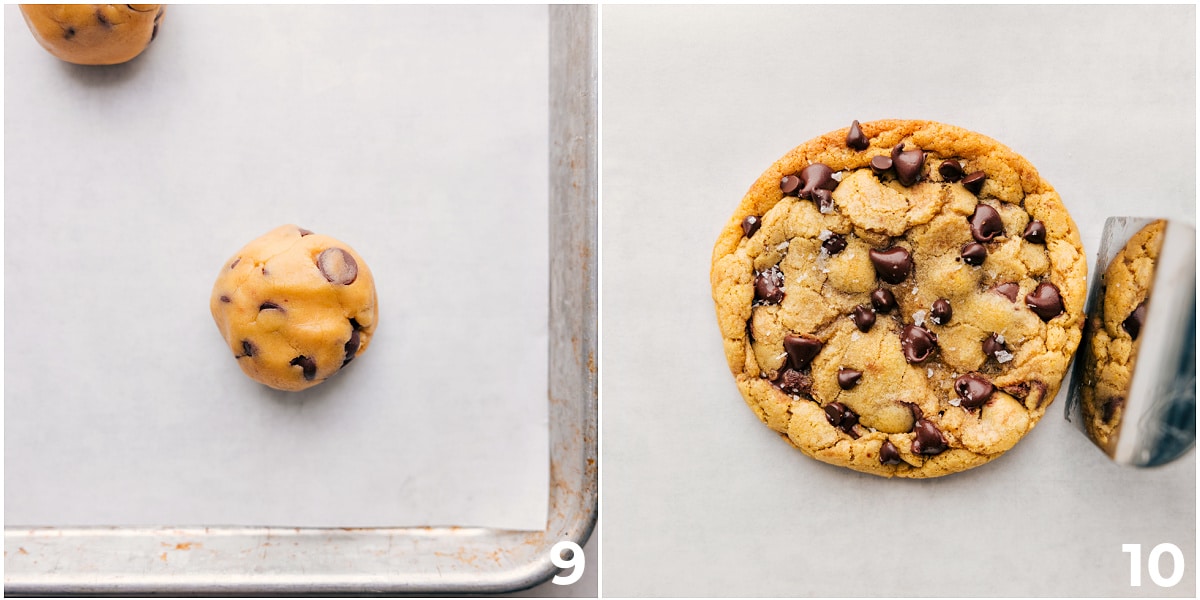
(698, 102)
(416, 134)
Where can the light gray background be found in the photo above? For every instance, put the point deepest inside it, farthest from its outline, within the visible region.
(699, 497)
(418, 135)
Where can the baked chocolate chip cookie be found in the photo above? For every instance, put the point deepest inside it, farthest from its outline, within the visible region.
(900, 297)
(94, 34)
(1113, 329)
(295, 307)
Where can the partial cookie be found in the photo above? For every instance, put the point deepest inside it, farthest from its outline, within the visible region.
(900, 297)
(295, 307)
(1113, 329)
(94, 34)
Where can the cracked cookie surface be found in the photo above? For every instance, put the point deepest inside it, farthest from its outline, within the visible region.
(900, 297)
(295, 307)
(94, 34)
(1114, 327)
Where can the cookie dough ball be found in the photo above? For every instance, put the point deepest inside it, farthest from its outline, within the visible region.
(295, 307)
(94, 34)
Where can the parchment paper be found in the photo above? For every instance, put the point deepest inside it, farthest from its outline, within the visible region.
(415, 134)
(700, 498)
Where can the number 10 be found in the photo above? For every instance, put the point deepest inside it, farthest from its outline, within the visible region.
(1152, 562)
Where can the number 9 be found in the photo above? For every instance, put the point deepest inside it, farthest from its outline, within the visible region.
(577, 560)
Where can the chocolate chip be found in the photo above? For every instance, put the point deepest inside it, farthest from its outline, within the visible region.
(917, 343)
(801, 349)
(750, 225)
(154, 32)
(840, 416)
(337, 266)
(1133, 323)
(248, 348)
(224, 298)
(1008, 290)
(951, 170)
(307, 364)
(974, 182)
(928, 440)
(881, 164)
(69, 33)
(102, 19)
(1045, 301)
(889, 454)
(824, 200)
(908, 164)
(973, 389)
(789, 185)
(235, 262)
(892, 265)
(793, 382)
(941, 311)
(883, 301)
(1111, 406)
(848, 378)
(855, 139)
(304, 232)
(351, 347)
(834, 244)
(269, 306)
(355, 325)
(992, 346)
(863, 317)
(974, 253)
(816, 176)
(1035, 232)
(985, 223)
(768, 286)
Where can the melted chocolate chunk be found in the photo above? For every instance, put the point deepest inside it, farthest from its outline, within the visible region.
(973, 389)
(351, 346)
(892, 265)
(928, 440)
(1035, 232)
(269, 306)
(883, 301)
(840, 416)
(908, 164)
(863, 317)
(973, 253)
(308, 365)
(224, 298)
(69, 33)
(951, 171)
(889, 454)
(235, 262)
(917, 343)
(824, 200)
(974, 182)
(338, 266)
(881, 164)
(816, 176)
(1008, 290)
(750, 225)
(801, 350)
(992, 346)
(248, 348)
(1133, 323)
(848, 378)
(102, 19)
(986, 223)
(1045, 301)
(793, 382)
(855, 140)
(835, 244)
(303, 231)
(768, 286)
(789, 185)
(1111, 406)
(941, 311)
